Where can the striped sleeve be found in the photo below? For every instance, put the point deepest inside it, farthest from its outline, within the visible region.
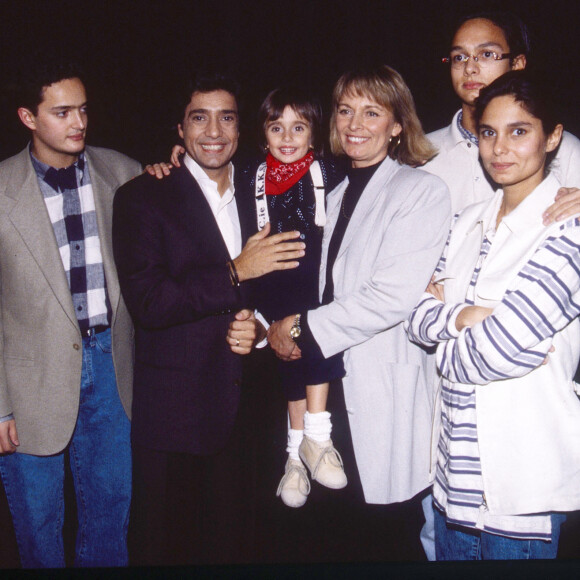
(515, 339)
(433, 321)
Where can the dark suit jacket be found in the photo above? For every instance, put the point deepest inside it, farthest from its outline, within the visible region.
(171, 260)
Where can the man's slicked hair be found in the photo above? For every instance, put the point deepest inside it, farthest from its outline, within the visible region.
(208, 82)
(41, 74)
(514, 29)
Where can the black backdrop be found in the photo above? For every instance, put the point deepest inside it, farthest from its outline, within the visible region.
(136, 53)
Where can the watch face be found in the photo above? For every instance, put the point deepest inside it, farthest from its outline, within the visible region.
(295, 331)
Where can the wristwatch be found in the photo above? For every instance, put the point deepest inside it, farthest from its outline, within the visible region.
(295, 331)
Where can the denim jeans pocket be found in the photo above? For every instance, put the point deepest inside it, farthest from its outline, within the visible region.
(104, 341)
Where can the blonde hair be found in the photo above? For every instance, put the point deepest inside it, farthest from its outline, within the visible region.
(386, 87)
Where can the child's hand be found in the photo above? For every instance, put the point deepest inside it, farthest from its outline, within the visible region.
(175, 153)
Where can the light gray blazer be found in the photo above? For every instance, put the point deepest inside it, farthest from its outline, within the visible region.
(389, 252)
(40, 342)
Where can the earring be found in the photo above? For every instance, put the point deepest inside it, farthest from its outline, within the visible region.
(396, 144)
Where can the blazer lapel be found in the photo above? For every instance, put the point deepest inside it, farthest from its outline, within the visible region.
(30, 218)
(370, 195)
(200, 219)
(104, 185)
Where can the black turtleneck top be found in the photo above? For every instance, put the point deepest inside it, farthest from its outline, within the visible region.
(358, 179)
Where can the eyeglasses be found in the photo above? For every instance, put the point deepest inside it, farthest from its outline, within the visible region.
(483, 58)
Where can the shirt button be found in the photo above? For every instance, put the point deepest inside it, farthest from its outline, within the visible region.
(77, 247)
(469, 145)
(76, 346)
(477, 178)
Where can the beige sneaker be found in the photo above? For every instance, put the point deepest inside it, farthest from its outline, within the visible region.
(294, 486)
(324, 462)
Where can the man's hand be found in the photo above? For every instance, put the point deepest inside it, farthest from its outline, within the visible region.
(8, 437)
(263, 254)
(280, 340)
(567, 204)
(244, 332)
(159, 170)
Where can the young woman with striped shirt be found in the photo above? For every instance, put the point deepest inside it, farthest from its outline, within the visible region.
(504, 300)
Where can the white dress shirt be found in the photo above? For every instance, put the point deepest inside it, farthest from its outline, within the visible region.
(458, 165)
(223, 207)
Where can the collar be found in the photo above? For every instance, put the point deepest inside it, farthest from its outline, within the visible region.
(41, 168)
(528, 214)
(359, 177)
(202, 177)
(465, 134)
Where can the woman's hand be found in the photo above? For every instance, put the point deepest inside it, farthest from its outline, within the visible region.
(436, 289)
(280, 340)
(471, 315)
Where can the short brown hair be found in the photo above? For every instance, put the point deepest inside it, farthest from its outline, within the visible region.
(386, 87)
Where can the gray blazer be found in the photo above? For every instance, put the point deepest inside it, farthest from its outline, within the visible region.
(40, 342)
(388, 254)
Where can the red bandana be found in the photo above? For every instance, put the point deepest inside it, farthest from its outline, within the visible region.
(280, 177)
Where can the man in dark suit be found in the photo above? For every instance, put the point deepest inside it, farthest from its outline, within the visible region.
(178, 248)
(66, 349)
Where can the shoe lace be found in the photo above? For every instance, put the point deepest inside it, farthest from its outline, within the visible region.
(290, 471)
(331, 452)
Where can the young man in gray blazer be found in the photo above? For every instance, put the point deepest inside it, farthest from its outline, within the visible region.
(66, 347)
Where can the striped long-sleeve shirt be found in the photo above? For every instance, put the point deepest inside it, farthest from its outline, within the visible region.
(542, 300)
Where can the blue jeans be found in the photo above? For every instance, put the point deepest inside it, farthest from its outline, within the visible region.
(462, 543)
(100, 459)
(427, 535)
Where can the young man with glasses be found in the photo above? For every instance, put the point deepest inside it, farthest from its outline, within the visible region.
(484, 47)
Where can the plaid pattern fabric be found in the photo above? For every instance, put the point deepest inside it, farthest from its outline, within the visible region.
(74, 220)
(464, 132)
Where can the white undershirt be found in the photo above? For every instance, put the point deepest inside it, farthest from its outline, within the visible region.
(223, 207)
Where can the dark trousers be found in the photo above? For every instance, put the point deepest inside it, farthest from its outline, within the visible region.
(192, 509)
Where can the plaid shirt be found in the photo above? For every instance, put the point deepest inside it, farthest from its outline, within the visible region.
(74, 220)
(465, 133)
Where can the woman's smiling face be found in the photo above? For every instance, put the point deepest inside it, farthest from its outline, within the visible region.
(364, 128)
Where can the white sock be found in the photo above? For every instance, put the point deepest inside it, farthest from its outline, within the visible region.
(317, 426)
(295, 437)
